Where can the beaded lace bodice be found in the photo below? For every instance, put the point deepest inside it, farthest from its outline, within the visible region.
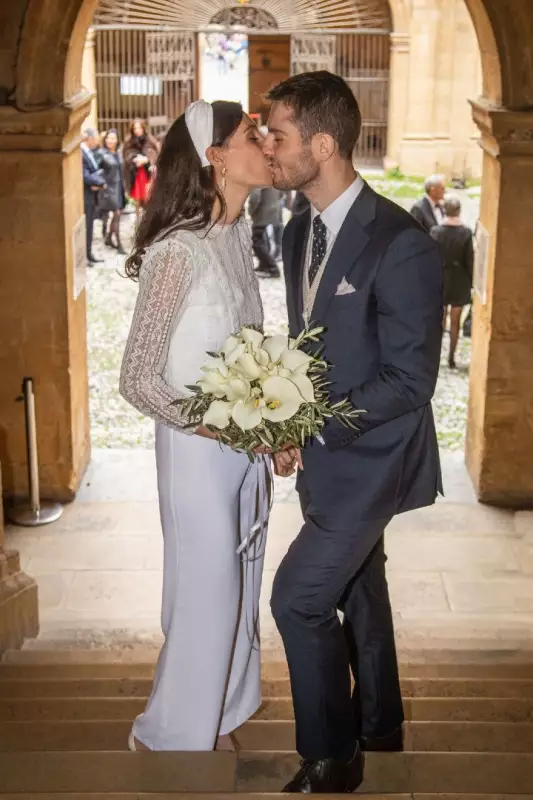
(195, 290)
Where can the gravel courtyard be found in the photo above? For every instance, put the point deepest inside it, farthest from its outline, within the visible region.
(110, 304)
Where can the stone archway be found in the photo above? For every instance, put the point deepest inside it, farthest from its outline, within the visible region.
(43, 321)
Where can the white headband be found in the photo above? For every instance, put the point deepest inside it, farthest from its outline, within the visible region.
(199, 122)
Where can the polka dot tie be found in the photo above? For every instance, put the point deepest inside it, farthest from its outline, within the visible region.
(320, 246)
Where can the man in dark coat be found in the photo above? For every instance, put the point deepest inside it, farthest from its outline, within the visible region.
(428, 211)
(93, 181)
(266, 208)
(360, 266)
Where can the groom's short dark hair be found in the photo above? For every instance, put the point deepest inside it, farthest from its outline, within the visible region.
(321, 103)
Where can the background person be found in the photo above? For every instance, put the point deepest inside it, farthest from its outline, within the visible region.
(93, 182)
(457, 246)
(428, 210)
(112, 199)
(140, 155)
(265, 208)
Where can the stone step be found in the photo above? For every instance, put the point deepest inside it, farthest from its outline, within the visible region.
(127, 708)
(138, 661)
(140, 687)
(469, 709)
(242, 796)
(270, 735)
(247, 796)
(275, 687)
(392, 773)
(103, 687)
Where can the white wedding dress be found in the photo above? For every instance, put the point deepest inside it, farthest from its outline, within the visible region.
(196, 289)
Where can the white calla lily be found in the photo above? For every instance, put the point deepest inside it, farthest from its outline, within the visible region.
(238, 389)
(234, 355)
(229, 345)
(305, 386)
(218, 414)
(247, 366)
(213, 383)
(250, 336)
(213, 363)
(247, 415)
(275, 345)
(282, 399)
(262, 357)
(296, 361)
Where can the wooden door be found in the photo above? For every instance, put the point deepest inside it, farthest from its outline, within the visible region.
(269, 63)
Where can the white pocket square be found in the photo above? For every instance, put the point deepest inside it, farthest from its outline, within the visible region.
(344, 288)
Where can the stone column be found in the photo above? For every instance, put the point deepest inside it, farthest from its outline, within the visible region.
(88, 77)
(398, 96)
(444, 70)
(19, 616)
(42, 311)
(500, 419)
(417, 146)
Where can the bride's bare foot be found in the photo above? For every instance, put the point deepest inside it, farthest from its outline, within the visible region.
(225, 743)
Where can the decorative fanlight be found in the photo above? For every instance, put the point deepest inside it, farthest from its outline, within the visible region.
(289, 15)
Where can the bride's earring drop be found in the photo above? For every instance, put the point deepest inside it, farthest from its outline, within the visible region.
(223, 181)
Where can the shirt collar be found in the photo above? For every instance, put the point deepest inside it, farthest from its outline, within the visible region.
(334, 215)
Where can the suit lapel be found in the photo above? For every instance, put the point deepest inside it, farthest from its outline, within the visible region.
(301, 233)
(350, 243)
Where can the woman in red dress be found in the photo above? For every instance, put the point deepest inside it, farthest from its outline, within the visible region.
(140, 155)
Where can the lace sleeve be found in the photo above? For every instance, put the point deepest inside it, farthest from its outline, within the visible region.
(164, 284)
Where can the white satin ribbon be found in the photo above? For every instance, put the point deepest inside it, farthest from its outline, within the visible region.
(258, 497)
(199, 122)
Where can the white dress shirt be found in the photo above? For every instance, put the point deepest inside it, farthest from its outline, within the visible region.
(437, 210)
(334, 215)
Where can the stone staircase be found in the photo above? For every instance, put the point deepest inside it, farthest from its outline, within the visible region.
(65, 718)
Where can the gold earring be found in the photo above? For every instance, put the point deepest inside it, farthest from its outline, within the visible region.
(223, 182)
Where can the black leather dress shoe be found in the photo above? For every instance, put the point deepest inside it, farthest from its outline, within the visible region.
(328, 776)
(392, 743)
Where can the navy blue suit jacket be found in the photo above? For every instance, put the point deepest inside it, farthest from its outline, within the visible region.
(90, 178)
(383, 342)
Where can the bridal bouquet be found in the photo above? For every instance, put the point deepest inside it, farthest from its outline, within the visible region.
(265, 391)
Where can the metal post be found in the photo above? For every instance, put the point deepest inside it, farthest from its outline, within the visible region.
(33, 512)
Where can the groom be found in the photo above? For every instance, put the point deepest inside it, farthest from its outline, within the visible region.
(360, 266)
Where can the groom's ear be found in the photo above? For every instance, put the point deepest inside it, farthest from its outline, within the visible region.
(323, 146)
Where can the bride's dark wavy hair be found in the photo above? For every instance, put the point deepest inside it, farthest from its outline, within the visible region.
(183, 193)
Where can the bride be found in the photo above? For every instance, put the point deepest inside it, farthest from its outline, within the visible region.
(193, 259)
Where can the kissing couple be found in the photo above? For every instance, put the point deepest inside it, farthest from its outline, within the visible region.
(361, 267)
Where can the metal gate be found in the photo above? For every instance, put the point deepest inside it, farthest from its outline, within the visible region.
(362, 58)
(146, 72)
(143, 72)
